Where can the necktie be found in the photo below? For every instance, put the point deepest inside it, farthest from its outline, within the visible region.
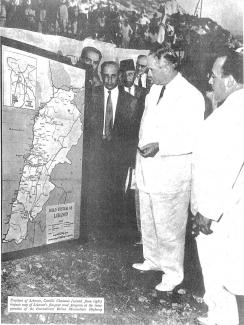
(129, 89)
(139, 81)
(108, 117)
(161, 94)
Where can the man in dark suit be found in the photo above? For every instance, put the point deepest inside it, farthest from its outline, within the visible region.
(128, 74)
(113, 134)
(127, 70)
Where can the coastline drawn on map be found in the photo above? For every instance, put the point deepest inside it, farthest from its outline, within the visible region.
(54, 93)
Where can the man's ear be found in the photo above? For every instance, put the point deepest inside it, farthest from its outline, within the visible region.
(175, 66)
(160, 64)
(157, 60)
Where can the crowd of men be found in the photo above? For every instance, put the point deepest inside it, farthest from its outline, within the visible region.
(180, 160)
(105, 21)
(196, 39)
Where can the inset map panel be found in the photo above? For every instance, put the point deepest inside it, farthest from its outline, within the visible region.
(19, 82)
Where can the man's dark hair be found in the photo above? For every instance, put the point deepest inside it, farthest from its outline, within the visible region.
(109, 63)
(233, 65)
(166, 52)
(87, 49)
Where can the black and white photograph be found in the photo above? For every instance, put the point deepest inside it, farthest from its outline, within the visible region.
(122, 162)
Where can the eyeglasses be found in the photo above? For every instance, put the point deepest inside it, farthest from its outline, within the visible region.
(212, 76)
(141, 66)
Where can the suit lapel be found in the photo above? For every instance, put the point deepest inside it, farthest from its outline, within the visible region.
(137, 91)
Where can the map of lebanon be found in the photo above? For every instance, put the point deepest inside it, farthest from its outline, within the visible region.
(50, 96)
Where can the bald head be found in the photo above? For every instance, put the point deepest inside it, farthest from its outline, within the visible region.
(141, 64)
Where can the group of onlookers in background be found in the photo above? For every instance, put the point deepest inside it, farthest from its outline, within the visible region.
(105, 21)
(195, 39)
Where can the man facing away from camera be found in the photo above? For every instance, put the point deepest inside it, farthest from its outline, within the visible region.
(174, 111)
(218, 194)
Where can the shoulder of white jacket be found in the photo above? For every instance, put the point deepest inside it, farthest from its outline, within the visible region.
(236, 97)
(231, 109)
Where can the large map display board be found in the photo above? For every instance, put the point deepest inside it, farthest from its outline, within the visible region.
(42, 147)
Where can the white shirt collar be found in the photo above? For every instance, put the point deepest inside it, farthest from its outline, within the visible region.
(143, 80)
(114, 90)
(132, 90)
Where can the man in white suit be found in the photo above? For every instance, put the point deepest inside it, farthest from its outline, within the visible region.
(218, 193)
(174, 111)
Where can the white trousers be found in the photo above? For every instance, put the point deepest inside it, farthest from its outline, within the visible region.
(222, 305)
(163, 225)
